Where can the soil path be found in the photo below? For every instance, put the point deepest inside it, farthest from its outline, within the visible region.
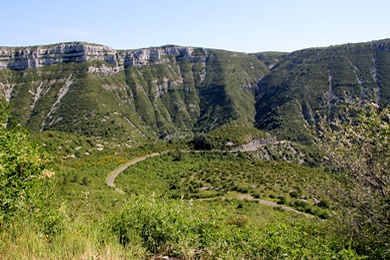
(263, 202)
(111, 178)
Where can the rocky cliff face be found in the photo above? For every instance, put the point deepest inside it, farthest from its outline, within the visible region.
(40, 56)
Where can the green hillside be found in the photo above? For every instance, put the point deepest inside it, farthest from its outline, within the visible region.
(171, 96)
(315, 81)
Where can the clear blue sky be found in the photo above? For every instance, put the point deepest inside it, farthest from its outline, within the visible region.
(241, 25)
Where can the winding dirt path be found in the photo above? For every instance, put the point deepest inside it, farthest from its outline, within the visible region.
(261, 201)
(112, 175)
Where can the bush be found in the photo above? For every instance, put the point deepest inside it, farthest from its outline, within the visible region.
(324, 204)
(240, 205)
(171, 228)
(256, 195)
(323, 215)
(281, 200)
(308, 210)
(85, 181)
(202, 142)
(239, 221)
(294, 194)
(243, 189)
(301, 204)
(23, 173)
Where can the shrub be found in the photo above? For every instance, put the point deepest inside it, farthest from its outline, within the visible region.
(256, 195)
(300, 203)
(324, 204)
(23, 173)
(240, 205)
(323, 215)
(239, 221)
(308, 210)
(294, 194)
(171, 228)
(85, 181)
(202, 142)
(281, 200)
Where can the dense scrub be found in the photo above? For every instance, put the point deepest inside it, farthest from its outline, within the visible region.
(216, 175)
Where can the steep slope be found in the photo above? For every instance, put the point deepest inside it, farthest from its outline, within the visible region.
(271, 58)
(315, 81)
(139, 94)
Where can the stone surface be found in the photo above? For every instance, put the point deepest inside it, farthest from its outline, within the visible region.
(21, 58)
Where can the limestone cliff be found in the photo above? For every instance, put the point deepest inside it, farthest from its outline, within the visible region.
(21, 58)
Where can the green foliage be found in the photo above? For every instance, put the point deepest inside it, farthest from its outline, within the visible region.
(294, 194)
(360, 146)
(203, 142)
(324, 204)
(216, 175)
(271, 58)
(23, 173)
(236, 132)
(281, 200)
(177, 230)
(4, 111)
(316, 80)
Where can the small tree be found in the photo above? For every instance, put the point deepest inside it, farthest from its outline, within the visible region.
(4, 112)
(359, 143)
(23, 171)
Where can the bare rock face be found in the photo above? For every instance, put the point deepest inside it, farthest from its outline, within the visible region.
(158, 55)
(22, 58)
(39, 56)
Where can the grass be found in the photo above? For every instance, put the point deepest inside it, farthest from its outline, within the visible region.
(80, 238)
(147, 227)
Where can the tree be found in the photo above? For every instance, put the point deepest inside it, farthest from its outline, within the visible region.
(359, 144)
(23, 172)
(4, 112)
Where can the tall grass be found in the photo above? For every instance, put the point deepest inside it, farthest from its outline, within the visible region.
(80, 239)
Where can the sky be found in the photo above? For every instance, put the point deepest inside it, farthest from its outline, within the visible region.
(241, 25)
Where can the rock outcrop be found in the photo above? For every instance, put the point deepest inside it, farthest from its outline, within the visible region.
(21, 58)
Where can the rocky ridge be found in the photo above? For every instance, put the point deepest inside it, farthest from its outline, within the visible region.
(21, 58)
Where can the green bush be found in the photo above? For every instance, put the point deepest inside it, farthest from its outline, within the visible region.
(23, 173)
(323, 215)
(202, 142)
(281, 200)
(324, 204)
(294, 194)
(174, 229)
(256, 195)
(239, 221)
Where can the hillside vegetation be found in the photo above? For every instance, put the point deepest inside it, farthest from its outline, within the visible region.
(310, 83)
(170, 97)
(231, 155)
